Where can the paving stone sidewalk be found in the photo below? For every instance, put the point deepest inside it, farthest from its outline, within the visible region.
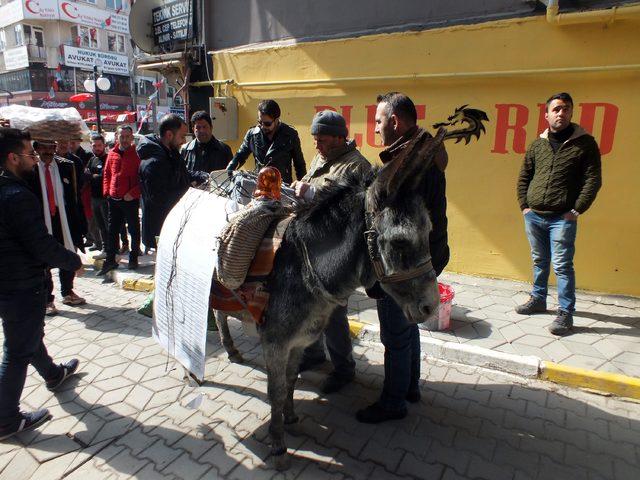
(129, 414)
(606, 336)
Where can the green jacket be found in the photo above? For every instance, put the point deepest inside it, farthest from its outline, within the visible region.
(346, 159)
(555, 183)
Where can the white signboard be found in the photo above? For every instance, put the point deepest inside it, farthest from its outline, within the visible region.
(10, 13)
(16, 58)
(84, 14)
(40, 9)
(84, 58)
(185, 262)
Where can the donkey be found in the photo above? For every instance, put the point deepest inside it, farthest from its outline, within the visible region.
(354, 233)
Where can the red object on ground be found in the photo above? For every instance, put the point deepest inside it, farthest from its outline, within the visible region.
(80, 97)
(444, 313)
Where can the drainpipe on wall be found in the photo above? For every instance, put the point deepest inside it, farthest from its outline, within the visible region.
(609, 15)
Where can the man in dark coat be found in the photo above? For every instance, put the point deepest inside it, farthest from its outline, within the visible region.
(396, 118)
(27, 250)
(560, 177)
(55, 185)
(205, 153)
(163, 175)
(272, 142)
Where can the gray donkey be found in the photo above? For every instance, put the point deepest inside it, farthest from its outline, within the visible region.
(354, 233)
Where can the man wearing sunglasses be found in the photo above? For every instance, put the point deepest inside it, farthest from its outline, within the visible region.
(272, 143)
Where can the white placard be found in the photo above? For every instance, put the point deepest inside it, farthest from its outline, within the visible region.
(185, 262)
(40, 9)
(84, 14)
(85, 58)
(16, 58)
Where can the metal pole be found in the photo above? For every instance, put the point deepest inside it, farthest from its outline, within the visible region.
(95, 84)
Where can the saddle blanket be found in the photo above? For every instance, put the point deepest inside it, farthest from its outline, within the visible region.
(252, 295)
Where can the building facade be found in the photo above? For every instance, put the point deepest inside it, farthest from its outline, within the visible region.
(505, 57)
(48, 49)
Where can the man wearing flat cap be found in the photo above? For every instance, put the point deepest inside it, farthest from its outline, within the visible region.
(336, 158)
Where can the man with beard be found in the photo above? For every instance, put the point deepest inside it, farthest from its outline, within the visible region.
(206, 153)
(273, 143)
(26, 252)
(56, 187)
(396, 119)
(163, 175)
(337, 158)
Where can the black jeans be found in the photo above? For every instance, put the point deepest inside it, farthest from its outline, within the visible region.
(66, 276)
(23, 325)
(121, 211)
(100, 215)
(338, 343)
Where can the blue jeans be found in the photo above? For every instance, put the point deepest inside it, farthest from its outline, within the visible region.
(401, 340)
(552, 240)
(23, 325)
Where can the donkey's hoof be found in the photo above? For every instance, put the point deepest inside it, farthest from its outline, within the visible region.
(282, 462)
(291, 419)
(236, 357)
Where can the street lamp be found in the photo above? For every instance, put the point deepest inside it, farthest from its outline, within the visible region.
(94, 85)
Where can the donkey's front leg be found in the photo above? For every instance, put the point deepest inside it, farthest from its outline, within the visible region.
(276, 360)
(226, 339)
(292, 376)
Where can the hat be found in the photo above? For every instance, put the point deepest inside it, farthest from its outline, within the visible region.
(328, 122)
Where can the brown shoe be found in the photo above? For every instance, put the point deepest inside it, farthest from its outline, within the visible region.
(51, 310)
(73, 300)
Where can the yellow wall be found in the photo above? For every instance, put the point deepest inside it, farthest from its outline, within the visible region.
(485, 230)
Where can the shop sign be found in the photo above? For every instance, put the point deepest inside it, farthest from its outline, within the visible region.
(84, 58)
(172, 22)
(93, 17)
(16, 58)
(40, 9)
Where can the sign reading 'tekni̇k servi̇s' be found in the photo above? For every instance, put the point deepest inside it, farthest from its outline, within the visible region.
(172, 23)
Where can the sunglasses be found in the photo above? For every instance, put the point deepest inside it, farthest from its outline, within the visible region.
(32, 155)
(265, 124)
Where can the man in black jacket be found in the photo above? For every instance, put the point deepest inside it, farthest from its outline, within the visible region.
(94, 174)
(396, 118)
(164, 178)
(26, 251)
(57, 189)
(272, 142)
(205, 153)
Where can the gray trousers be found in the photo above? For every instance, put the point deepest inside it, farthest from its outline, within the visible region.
(338, 341)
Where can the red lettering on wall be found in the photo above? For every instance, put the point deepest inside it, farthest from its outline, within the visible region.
(542, 121)
(503, 126)
(609, 121)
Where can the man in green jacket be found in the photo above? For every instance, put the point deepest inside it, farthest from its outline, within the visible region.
(337, 157)
(559, 180)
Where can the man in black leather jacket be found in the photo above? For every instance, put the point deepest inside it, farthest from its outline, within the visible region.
(26, 252)
(272, 142)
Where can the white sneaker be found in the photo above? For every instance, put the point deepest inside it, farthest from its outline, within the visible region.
(101, 256)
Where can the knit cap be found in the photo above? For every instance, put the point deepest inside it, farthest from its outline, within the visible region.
(328, 122)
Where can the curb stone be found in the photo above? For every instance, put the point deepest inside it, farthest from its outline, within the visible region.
(524, 365)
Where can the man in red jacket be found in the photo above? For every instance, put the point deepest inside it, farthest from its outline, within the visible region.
(121, 187)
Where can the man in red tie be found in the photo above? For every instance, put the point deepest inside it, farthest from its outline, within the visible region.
(55, 185)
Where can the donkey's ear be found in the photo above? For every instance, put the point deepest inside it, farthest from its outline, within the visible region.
(409, 175)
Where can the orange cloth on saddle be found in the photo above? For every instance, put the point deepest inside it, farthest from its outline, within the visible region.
(252, 295)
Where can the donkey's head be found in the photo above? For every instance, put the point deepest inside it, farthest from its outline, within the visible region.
(398, 228)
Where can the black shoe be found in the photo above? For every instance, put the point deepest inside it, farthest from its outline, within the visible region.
(310, 363)
(68, 369)
(335, 383)
(531, 306)
(94, 248)
(562, 324)
(376, 414)
(25, 421)
(133, 264)
(107, 267)
(413, 397)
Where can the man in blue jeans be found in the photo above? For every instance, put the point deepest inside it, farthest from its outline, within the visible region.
(26, 252)
(396, 119)
(559, 180)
